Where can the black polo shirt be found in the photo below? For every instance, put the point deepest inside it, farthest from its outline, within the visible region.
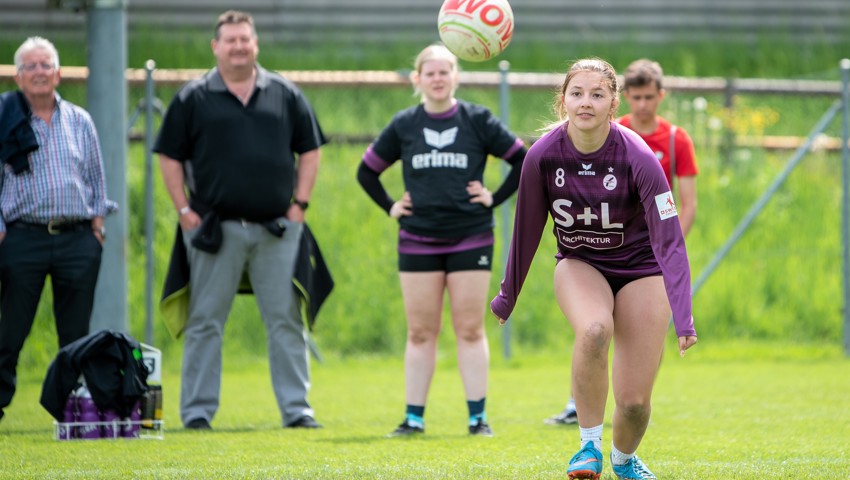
(241, 158)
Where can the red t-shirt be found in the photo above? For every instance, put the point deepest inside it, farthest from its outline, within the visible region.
(659, 142)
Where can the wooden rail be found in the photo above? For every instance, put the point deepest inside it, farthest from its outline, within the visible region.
(549, 81)
(521, 80)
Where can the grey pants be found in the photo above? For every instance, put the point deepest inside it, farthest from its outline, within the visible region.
(269, 262)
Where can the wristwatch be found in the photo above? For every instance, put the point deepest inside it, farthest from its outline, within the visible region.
(301, 204)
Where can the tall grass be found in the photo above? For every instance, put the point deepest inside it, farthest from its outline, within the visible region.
(781, 281)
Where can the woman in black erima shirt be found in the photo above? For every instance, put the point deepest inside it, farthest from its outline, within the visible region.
(445, 239)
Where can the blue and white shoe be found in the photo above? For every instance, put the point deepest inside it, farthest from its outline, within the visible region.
(407, 429)
(478, 426)
(634, 469)
(586, 464)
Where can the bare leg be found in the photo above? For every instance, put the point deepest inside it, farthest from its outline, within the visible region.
(641, 318)
(423, 305)
(468, 298)
(586, 299)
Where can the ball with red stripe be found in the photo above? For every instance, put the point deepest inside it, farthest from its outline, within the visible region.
(476, 30)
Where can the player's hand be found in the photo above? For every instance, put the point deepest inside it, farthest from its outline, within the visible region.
(686, 343)
(403, 207)
(502, 321)
(479, 193)
(2, 236)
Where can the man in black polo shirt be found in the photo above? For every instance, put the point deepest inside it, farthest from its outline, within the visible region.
(232, 138)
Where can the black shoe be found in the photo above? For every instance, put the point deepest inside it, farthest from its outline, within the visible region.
(567, 417)
(198, 424)
(305, 422)
(481, 428)
(406, 429)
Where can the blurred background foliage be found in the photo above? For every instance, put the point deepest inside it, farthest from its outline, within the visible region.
(781, 281)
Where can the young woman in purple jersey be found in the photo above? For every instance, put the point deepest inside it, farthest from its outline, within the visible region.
(621, 269)
(445, 216)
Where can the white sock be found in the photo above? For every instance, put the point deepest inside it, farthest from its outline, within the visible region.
(571, 405)
(618, 457)
(593, 434)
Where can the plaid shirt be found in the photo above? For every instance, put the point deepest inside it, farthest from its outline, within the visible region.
(65, 180)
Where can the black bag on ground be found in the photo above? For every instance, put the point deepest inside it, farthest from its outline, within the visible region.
(111, 363)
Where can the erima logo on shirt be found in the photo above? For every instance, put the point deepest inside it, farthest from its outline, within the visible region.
(666, 206)
(440, 139)
(586, 169)
(436, 158)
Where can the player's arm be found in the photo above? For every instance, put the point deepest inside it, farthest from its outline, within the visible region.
(687, 202)
(686, 180)
(511, 183)
(368, 179)
(666, 240)
(532, 210)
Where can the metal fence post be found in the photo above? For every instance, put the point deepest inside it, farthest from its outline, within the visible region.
(845, 197)
(106, 95)
(150, 65)
(729, 129)
(504, 96)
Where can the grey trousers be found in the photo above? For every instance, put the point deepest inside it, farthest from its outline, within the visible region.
(269, 262)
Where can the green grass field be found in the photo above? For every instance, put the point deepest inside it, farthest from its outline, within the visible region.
(743, 410)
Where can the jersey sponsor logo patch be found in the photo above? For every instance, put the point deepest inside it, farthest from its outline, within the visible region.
(438, 159)
(573, 239)
(666, 206)
(586, 169)
(440, 139)
(609, 182)
(565, 216)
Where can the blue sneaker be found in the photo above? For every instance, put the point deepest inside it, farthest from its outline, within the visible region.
(587, 463)
(634, 469)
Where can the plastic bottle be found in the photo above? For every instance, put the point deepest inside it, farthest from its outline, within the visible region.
(152, 407)
(157, 412)
(66, 430)
(87, 415)
(148, 404)
(110, 423)
(132, 423)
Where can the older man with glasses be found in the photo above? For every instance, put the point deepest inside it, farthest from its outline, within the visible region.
(52, 205)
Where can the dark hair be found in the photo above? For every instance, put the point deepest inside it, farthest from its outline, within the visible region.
(641, 73)
(234, 17)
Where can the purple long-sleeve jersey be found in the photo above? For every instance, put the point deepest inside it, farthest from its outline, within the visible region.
(611, 208)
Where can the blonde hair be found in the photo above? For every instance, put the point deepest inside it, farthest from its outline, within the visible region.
(593, 64)
(435, 51)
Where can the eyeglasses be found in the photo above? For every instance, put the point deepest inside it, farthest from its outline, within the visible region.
(31, 67)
